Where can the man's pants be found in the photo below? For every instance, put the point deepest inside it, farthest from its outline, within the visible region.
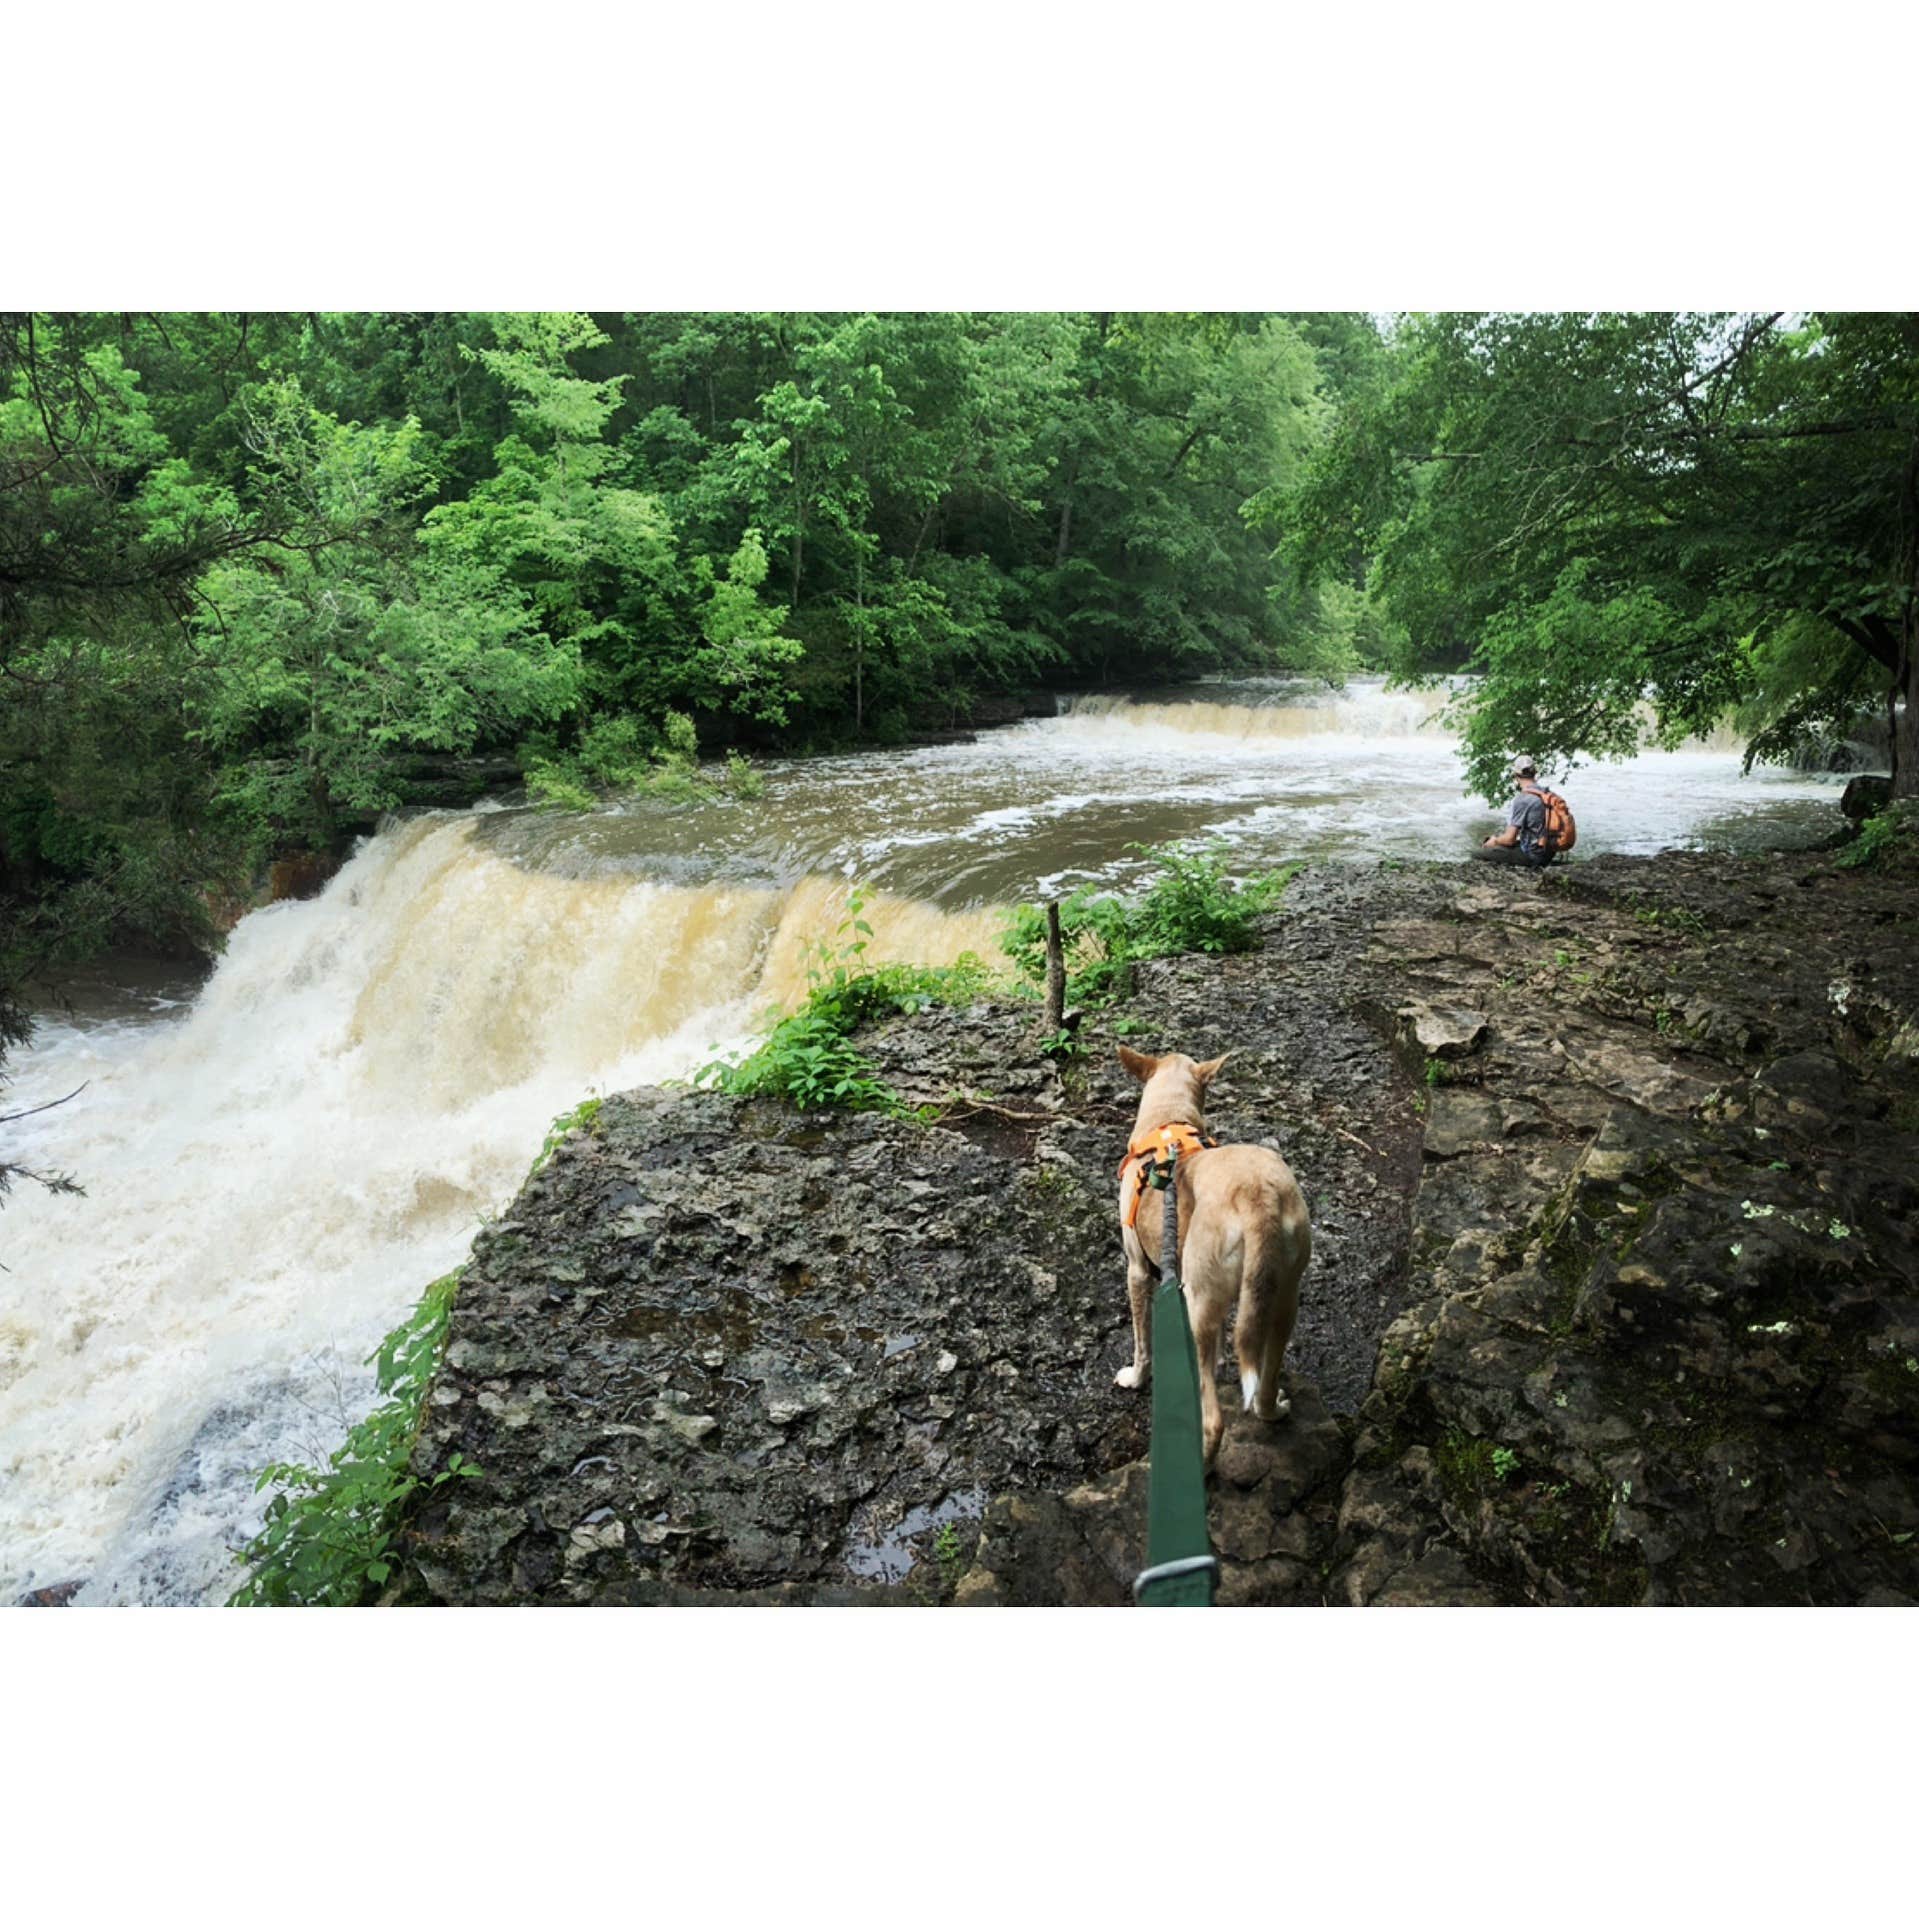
(1509, 856)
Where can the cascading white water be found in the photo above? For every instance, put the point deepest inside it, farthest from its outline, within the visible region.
(1266, 712)
(275, 1174)
(273, 1179)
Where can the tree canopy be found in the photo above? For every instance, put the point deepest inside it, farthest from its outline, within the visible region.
(253, 567)
(1601, 513)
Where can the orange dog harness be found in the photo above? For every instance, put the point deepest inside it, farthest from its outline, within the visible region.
(1147, 1155)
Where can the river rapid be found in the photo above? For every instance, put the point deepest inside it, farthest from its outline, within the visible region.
(277, 1162)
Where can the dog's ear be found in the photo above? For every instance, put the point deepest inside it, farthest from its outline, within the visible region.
(1142, 1066)
(1206, 1070)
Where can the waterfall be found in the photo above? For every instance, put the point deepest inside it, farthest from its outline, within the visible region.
(273, 1178)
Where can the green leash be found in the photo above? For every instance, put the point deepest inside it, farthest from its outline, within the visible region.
(1181, 1569)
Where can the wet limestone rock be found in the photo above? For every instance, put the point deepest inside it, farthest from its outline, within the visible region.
(1614, 1298)
(1671, 1358)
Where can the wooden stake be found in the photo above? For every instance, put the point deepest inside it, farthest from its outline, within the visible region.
(1055, 971)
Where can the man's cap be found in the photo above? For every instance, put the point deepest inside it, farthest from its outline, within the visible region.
(1524, 764)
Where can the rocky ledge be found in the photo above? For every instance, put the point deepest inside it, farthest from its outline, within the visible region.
(1614, 1295)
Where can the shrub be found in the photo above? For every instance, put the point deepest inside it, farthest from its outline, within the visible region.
(328, 1536)
(1194, 906)
(743, 780)
(614, 755)
(1878, 833)
(556, 783)
(808, 1055)
(1197, 907)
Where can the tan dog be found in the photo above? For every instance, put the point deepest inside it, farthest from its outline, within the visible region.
(1243, 1235)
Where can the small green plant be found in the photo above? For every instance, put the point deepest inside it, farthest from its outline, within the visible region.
(742, 779)
(1437, 1072)
(328, 1534)
(1196, 907)
(807, 1058)
(615, 754)
(808, 1055)
(555, 783)
(1505, 1463)
(1193, 906)
(947, 1548)
(585, 1117)
(1878, 833)
(1061, 1045)
(1465, 1463)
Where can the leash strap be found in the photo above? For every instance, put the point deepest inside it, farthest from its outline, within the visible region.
(1181, 1569)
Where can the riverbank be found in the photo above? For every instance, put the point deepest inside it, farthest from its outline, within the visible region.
(1613, 1299)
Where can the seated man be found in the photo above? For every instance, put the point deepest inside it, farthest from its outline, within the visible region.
(1521, 843)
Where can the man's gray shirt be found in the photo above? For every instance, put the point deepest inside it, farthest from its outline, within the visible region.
(1528, 813)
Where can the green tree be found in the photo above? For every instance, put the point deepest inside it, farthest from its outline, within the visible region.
(328, 657)
(1606, 509)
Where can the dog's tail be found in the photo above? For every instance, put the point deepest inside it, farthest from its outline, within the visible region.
(1273, 1255)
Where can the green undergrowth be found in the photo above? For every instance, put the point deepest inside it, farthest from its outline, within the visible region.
(584, 1118)
(1193, 906)
(808, 1055)
(1877, 837)
(329, 1532)
(615, 757)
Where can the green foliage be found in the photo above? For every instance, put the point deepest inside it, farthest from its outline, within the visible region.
(615, 755)
(251, 566)
(584, 1118)
(1466, 1465)
(346, 648)
(1629, 521)
(808, 1056)
(949, 1555)
(1194, 906)
(744, 780)
(1876, 836)
(329, 1533)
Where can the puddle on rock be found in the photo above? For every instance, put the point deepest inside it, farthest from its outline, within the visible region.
(893, 1555)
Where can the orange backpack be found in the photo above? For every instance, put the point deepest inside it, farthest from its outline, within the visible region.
(1560, 834)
